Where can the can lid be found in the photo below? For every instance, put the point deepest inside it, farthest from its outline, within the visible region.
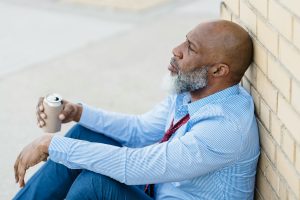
(53, 99)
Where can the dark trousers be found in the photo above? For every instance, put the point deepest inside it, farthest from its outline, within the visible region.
(54, 181)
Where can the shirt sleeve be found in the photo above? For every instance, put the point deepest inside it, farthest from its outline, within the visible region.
(205, 148)
(129, 130)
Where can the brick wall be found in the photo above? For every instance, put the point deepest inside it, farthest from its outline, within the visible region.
(274, 82)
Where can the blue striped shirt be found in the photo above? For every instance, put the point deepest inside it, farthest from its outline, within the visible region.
(213, 156)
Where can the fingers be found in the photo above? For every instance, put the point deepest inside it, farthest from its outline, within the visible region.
(40, 106)
(40, 122)
(41, 116)
(16, 169)
(66, 112)
(31, 155)
(21, 173)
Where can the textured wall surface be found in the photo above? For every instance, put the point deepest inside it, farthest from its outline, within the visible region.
(274, 82)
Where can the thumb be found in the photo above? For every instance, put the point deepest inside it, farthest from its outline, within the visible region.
(66, 112)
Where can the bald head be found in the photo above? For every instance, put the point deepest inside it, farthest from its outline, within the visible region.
(214, 56)
(225, 42)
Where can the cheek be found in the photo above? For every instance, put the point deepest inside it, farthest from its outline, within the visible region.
(196, 62)
(188, 66)
(183, 67)
(190, 61)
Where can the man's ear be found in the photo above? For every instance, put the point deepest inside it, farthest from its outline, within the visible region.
(219, 70)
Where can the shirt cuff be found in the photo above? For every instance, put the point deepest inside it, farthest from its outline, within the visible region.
(89, 116)
(59, 148)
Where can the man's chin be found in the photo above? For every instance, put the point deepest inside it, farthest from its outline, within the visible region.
(173, 74)
(167, 83)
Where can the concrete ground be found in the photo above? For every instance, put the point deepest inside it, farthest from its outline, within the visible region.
(105, 56)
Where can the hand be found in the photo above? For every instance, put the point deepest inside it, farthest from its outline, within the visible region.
(31, 155)
(70, 112)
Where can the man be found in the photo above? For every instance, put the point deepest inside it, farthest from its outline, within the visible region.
(199, 143)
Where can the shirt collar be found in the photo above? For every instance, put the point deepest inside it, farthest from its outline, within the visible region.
(181, 107)
(194, 106)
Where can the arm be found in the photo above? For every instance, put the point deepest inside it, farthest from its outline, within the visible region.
(204, 148)
(129, 130)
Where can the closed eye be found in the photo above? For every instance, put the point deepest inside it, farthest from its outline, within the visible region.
(189, 46)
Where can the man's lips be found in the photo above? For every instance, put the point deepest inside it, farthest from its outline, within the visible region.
(172, 68)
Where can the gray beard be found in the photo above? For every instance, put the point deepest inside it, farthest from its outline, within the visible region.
(191, 81)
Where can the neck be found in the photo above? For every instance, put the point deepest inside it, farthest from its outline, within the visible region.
(206, 91)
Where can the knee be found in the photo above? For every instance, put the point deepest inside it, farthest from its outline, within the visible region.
(81, 133)
(89, 185)
(94, 179)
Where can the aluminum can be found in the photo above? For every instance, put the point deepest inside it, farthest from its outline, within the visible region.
(52, 108)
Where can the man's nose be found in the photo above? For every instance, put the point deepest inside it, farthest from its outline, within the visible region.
(177, 52)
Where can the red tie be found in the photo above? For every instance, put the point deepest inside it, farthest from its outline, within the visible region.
(173, 128)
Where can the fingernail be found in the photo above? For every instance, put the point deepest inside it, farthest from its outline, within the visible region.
(61, 117)
(41, 108)
(42, 123)
(43, 115)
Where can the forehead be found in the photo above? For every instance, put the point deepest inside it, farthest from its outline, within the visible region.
(212, 36)
(201, 36)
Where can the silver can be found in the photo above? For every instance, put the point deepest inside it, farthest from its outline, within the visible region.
(52, 108)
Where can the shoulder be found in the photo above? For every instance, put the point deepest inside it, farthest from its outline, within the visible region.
(239, 109)
(236, 110)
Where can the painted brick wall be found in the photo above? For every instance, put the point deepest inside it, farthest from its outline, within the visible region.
(274, 82)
